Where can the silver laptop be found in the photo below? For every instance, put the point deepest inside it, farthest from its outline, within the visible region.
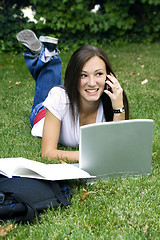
(116, 148)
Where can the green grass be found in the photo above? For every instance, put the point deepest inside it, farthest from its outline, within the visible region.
(117, 209)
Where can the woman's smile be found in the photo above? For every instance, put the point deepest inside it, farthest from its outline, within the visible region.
(92, 91)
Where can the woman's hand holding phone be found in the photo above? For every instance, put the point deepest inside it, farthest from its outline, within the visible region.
(114, 90)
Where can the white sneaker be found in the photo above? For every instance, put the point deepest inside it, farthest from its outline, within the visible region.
(49, 42)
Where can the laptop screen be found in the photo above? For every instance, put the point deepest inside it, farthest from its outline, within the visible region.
(113, 148)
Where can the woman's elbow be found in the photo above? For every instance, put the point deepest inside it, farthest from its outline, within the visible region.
(50, 154)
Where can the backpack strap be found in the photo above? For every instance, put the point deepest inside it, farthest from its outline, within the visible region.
(31, 211)
(60, 196)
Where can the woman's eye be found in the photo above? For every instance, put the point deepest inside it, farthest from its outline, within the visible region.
(99, 74)
(83, 75)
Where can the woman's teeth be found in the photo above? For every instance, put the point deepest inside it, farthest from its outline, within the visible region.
(92, 91)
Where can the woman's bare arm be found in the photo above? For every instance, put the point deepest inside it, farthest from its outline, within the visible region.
(51, 131)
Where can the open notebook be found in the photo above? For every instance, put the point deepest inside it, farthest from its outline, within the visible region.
(116, 148)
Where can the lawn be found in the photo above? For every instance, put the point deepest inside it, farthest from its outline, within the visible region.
(115, 209)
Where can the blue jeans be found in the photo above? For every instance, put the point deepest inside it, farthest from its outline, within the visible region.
(46, 75)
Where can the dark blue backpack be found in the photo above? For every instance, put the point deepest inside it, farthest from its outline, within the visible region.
(21, 199)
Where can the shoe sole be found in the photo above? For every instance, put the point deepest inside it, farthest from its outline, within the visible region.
(47, 39)
(29, 40)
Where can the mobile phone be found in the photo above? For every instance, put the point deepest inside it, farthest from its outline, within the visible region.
(107, 87)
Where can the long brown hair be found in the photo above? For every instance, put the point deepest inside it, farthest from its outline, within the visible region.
(72, 78)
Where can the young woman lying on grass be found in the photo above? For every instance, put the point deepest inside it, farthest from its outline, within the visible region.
(58, 111)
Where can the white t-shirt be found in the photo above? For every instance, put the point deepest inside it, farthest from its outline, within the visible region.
(57, 103)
